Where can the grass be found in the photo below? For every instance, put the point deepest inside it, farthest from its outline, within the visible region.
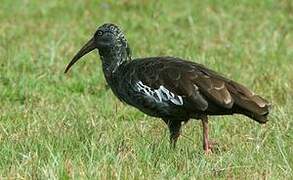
(70, 126)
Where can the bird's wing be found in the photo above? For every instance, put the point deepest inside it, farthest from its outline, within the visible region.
(192, 82)
(247, 99)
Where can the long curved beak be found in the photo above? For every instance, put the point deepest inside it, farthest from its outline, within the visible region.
(88, 47)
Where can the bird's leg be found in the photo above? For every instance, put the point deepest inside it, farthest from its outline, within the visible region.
(174, 134)
(174, 128)
(206, 144)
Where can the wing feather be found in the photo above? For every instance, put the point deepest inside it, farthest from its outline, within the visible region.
(198, 86)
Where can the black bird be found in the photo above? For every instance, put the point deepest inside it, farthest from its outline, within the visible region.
(170, 88)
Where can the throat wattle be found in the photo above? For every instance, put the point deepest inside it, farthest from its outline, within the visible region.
(113, 58)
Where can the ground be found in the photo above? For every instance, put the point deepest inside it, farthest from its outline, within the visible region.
(71, 126)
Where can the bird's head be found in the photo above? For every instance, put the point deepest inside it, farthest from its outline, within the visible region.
(108, 37)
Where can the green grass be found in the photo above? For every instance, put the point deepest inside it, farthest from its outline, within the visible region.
(70, 126)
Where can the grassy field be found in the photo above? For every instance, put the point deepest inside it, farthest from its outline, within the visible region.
(70, 126)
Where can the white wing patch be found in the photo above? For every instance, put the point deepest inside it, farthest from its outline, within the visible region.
(161, 94)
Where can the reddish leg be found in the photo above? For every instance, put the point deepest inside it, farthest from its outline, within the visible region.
(206, 144)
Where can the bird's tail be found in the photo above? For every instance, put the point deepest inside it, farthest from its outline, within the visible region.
(261, 118)
(250, 104)
(255, 107)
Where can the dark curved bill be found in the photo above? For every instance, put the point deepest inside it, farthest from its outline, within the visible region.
(88, 47)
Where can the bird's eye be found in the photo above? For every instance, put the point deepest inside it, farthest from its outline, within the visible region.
(112, 28)
(100, 33)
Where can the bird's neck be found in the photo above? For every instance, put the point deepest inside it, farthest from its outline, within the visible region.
(112, 58)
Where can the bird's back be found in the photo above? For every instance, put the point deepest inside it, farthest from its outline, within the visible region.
(167, 86)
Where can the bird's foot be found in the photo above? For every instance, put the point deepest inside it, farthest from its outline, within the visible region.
(209, 148)
(208, 151)
(173, 140)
